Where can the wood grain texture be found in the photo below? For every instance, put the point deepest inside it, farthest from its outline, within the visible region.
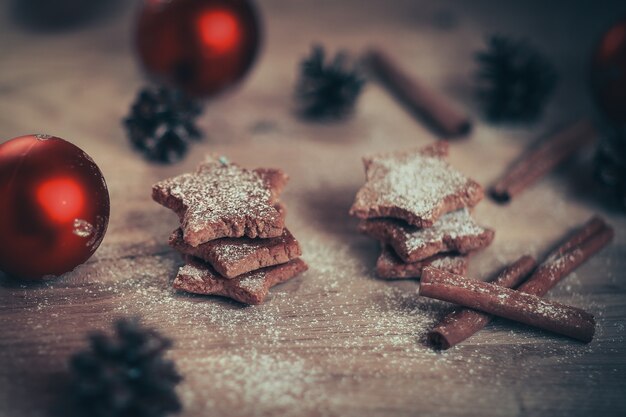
(335, 341)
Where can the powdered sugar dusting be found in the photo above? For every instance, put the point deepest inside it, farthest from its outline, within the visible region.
(253, 282)
(455, 231)
(219, 192)
(280, 384)
(192, 272)
(409, 181)
(448, 263)
(335, 327)
(236, 252)
(450, 226)
(390, 266)
(233, 251)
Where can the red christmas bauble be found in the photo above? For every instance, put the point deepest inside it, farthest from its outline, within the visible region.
(199, 46)
(54, 206)
(608, 73)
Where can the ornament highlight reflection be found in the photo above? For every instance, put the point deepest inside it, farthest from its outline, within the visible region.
(219, 31)
(61, 198)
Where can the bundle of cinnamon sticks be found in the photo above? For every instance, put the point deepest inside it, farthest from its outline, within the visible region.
(484, 300)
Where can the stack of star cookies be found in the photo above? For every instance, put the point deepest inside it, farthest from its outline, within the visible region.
(417, 206)
(232, 233)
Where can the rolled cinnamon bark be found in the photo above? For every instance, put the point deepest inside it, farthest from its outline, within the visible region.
(593, 226)
(420, 99)
(504, 302)
(463, 322)
(541, 159)
(560, 265)
(578, 246)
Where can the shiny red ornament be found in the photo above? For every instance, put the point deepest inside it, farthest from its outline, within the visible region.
(608, 73)
(199, 46)
(54, 206)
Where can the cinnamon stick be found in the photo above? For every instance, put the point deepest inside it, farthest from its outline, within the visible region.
(562, 263)
(540, 159)
(581, 245)
(593, 226)
(504, 302)
(417, 97)
(463, 322)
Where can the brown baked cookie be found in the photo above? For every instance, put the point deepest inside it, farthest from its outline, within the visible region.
(231, 257)
(390, 266)
(453, 232)
(417, 186)
(222, 199)
(200, 278)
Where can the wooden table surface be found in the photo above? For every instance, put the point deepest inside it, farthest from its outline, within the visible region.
(334, 341)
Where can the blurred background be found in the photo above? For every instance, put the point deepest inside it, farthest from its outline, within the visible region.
(72, 68)
(64, 37)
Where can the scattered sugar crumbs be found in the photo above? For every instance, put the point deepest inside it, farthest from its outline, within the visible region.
(328, 330)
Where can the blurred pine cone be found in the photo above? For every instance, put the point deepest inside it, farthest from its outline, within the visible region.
(162, 123)
(514, 80)
(327, 90)
(126, 374)
(611, 162)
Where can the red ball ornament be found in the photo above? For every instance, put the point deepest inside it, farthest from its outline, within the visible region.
(54, 206)
(608, 73)
(199, 46)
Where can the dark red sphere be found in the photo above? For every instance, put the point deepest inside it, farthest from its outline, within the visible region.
(608, 73)
(199, 46)
(54, 206)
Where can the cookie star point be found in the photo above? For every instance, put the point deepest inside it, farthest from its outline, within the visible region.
(456, 232)
(417, 186)
(224, 200)
(251, 288)
(390, 266)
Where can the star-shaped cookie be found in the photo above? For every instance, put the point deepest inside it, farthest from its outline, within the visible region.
(222, 199)
(453, 232)
(252, 288)
(390, 266)
(417, 186)
(232, 257)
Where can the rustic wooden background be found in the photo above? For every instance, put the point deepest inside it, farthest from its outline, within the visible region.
(335, 341)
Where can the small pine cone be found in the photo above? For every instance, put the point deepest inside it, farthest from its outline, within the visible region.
(125, 374)
(327, 90)
(514, 80)
(611, 163)
(162, 123)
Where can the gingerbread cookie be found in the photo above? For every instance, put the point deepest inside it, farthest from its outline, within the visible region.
(390, 266)
(252, 288)
(453, 232)
(222, 199)
(417, 186)
(232, 257)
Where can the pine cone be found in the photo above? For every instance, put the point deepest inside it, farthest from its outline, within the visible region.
(125, 375)
(327, 90)
(162, 123)
(611, 163)
(514, 80)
